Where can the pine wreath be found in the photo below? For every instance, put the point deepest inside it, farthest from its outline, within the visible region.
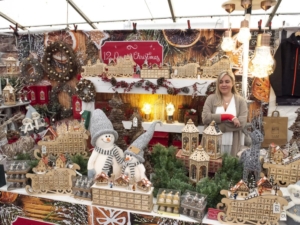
(59, 61)
(85, 90)
(31, 70)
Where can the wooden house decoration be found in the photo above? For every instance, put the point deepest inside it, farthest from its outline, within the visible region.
(61, 161)
(9, 94)
(155, 72)
(42, 166)
(12, 68)
(199, 161)
(124, 67)
(278, 155)
(212, 71)
(190, 138)
(264, 185)
(241, 189)
(212, 139)
(285, 173)
(49, 135)
(190, 70)
(93, 70)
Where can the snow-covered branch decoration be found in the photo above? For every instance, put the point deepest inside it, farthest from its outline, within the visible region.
(150, 86)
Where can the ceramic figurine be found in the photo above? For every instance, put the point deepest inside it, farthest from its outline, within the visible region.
(169, 198)
(134, 155)
(105, 153)
(176, 198)
(162, 196)
(169, 209)
(175, 210)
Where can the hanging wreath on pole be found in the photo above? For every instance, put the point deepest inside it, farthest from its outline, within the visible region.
(85, 90)
(59, 61)
(31, 70)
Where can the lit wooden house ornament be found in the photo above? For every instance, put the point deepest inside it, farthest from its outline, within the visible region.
(198, 161)
(9, 94)
(212, 140)
(11, 66)
(190, 138)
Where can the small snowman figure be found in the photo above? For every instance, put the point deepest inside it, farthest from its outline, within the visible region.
(293, 207)
(134, 155)
(105, 153)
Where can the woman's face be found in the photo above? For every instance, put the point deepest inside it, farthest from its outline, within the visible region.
(225, 85)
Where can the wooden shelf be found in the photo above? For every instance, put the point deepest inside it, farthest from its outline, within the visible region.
(106, 87)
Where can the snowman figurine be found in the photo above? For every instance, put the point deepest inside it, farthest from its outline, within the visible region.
(105, 153)
(134, 156)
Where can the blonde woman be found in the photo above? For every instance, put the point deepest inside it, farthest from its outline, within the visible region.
(229, 110)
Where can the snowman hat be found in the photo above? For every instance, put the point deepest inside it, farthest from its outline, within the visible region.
(293, 187)
(100, 125)
(30, 110)
(136, 149)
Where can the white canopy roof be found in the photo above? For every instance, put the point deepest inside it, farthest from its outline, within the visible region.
(45, 15)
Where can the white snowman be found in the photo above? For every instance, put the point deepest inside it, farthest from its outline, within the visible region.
(134, 155)
(105, 153)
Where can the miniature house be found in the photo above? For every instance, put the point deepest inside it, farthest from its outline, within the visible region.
(49, 134)
(199, 161)
(212, 140)
(60, 162)
(264, 185)
(9, 94)
(190, 138)
(276, 153)
(11, 66)
(241, 189)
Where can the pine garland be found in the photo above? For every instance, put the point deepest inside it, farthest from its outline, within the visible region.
(149, 86)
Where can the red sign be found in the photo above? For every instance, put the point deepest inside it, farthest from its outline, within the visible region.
(141, 51)
(27, 221)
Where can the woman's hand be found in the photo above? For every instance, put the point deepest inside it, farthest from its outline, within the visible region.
(236, 122)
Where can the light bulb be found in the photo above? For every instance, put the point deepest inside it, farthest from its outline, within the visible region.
(227, 42)
(147, 108)
(263, 63)
(244, 33)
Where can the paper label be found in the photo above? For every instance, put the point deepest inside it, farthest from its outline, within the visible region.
(276, 207)
(44, 149)
(283, 215)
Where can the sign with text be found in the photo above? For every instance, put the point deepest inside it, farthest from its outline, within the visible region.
(141, 51)
(27, 221)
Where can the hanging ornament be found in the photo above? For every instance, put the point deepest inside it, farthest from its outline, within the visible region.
(31, 70)
(85, 90)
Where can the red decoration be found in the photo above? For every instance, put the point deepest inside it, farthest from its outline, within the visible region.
(141, 51)
(27, 221)
(77, 107)
(43, 94)
(32, 96)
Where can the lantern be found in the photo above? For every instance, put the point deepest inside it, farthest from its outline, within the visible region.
(9, 95)
(11, 66)
(190, 138)
(198, 161)
(212, 140)
(170, 111)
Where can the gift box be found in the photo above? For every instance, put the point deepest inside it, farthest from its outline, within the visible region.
(212, 213)
(76, 106)
(160, 138)
(104, 106)
(214, 165)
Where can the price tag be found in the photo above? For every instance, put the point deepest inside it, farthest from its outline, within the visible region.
(44, 149)
(283, 215)
(276, 207)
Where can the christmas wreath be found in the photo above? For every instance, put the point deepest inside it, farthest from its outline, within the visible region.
(31, 70)
(63, 111)
(85, 90)
(59, 62)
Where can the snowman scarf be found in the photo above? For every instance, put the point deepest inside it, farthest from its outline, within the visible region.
(111, 152)
(131, 168)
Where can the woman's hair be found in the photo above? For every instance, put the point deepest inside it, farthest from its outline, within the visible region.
(233, 89)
